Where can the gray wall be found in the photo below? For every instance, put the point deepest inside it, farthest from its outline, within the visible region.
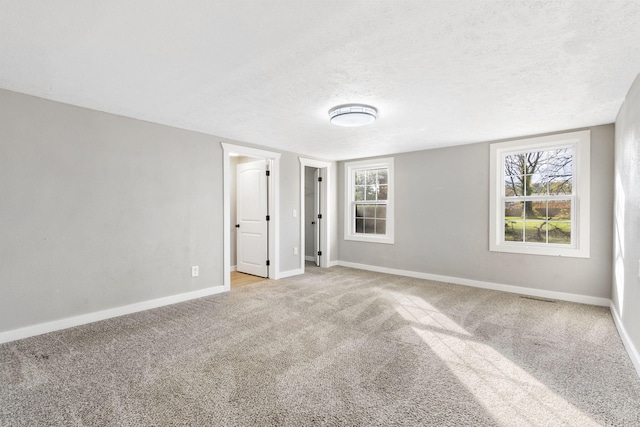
(289, 201)
(99, 211)
(626, 253)
(442, 223)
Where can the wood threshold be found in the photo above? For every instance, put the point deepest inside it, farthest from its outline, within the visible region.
(241, 279)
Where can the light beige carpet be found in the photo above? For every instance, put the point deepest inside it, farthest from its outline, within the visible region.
(333, 347)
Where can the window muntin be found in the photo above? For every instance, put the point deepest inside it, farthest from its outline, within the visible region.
(369, 201)
(540, 195)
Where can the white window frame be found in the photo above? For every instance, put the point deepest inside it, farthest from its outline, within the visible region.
(350, 169)
(580, 142)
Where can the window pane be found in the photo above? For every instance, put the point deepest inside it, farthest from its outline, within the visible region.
(542, 166)
(559, 162)
(369, 226)
(560, 232)
(535, 210)
(381, 211)
(360, 211)
(533, 161)
(371, 177)
(381, 226)
(535, 231)
(537, 185)
(539, 210)
(359, 177)
(383, 176)
(370, 211)
(514, 165)
(514, 186)
(382, 192)
(359, 192)
(560, 209)
(359, 225)
(561, 185)
(513, 210)
(513, 230)
(370, 192)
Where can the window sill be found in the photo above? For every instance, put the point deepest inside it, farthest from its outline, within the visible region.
(370, 239)
(518, 248)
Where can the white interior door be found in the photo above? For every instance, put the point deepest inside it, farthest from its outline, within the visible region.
(252, 211)
(317, 217)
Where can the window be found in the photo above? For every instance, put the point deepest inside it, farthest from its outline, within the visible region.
(369, 201)
(540, 195)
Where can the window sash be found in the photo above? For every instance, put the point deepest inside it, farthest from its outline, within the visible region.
(572, 221)
(375, 218)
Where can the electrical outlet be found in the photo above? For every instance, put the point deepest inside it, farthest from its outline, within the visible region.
(295, 250)
(195, 271)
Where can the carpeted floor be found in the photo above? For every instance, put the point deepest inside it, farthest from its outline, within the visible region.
(333, 347)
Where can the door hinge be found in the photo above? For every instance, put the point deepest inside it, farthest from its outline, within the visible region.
(319, 179)
(319, 216)
(319, 253)
(268, 173)
(268, 262)
(268, 217)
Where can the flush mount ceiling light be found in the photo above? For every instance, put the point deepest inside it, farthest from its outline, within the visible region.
(351, 115)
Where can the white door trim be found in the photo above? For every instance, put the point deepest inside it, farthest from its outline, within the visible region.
(274, 206)
(325, 209)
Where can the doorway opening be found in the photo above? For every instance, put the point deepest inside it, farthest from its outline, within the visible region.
(256, 247)
(314, 208)
(252, 216)
(313, 215)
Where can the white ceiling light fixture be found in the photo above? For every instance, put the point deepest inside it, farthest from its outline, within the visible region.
(351, 115)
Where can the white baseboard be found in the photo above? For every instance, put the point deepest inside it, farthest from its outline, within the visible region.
(309, 258)
(233, 268)
(626, 340)
(583, 299)
(83, 319)
(333, 263)
(285, 274)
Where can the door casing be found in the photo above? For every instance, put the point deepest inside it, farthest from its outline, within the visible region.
(274, 203)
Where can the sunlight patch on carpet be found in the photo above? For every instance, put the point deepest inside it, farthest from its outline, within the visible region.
(509, 394)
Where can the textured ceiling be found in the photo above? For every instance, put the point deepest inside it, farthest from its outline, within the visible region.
(266, 72)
